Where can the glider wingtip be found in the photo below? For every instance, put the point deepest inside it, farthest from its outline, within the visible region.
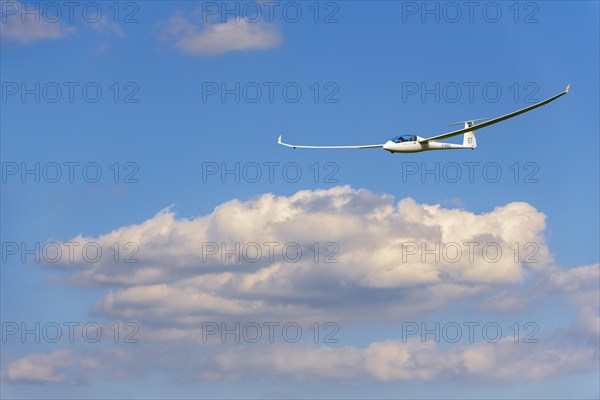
(568, 87)
(279, 140)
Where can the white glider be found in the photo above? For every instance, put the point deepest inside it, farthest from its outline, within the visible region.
(414, 143)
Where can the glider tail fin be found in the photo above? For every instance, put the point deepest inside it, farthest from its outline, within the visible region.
(469, 139)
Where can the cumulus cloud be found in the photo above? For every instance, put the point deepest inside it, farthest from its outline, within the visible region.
(380, 248)
(381, 361)
(29, 27)
(219, 38)
(391, 360)
(175, 288)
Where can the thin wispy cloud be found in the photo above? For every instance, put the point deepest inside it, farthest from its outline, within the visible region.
(31, 27)
(212, 39)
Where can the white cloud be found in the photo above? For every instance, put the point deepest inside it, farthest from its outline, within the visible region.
(171, 292)
(380, 361)
(36, 368)
(578, 285)
(391, 360)
(31, 27)
(40, 368)
(64, 366)
(106, 24)
(373, 269)
(219, 38)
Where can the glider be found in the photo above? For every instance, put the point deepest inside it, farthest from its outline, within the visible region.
(414, 143)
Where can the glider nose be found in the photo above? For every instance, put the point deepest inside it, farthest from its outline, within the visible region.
(388, 145)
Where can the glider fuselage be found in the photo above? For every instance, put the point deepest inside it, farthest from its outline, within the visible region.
(416, 146)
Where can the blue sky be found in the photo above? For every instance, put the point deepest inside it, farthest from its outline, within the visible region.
(366, 72)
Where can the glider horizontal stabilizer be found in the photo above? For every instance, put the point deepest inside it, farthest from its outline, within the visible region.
(471, 121)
